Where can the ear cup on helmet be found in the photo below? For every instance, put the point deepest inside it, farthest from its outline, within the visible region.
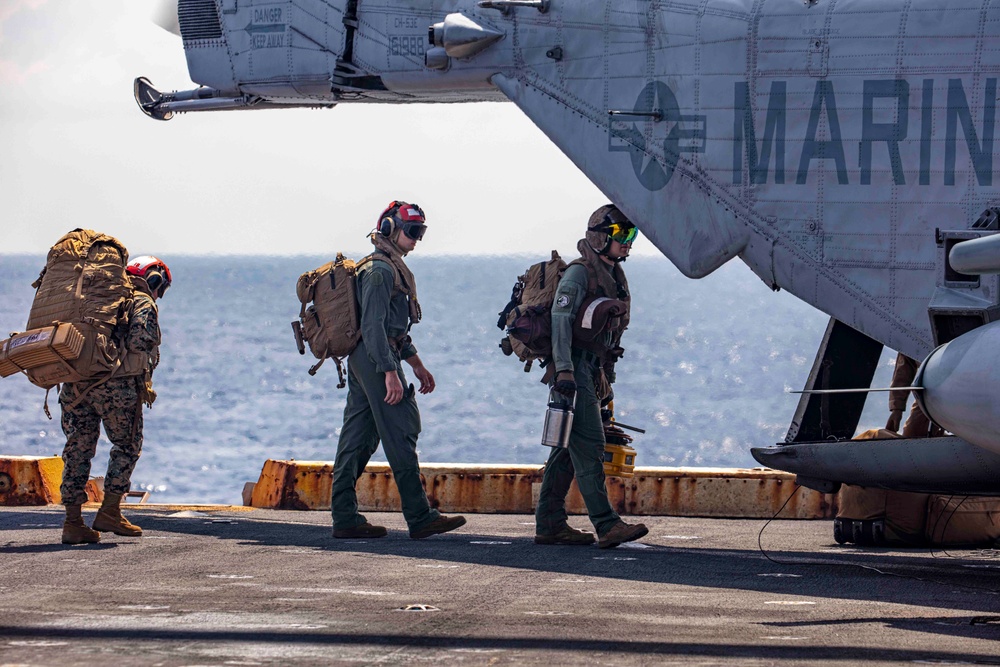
(387, 226)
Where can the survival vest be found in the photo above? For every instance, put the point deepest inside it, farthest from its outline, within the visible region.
(79, 315)
(598, 314)
(329, 317)
(527, 317)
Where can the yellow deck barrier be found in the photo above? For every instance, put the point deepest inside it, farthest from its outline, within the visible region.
(709, 492)
(30, 480)
(35, 480)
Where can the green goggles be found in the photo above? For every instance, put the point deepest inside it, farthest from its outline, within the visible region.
(624, 233)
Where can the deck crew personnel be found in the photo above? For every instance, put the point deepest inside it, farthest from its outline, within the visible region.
(117, 403)
(917, 424)
(586, 375)
(381, 405)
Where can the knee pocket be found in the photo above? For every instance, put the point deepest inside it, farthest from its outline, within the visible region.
(411, 415)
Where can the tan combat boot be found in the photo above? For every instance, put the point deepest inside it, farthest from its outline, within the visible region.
(620, 533)
(109, 518)
(364, 530)
(75, 531)
(568, 536)
(442, 524)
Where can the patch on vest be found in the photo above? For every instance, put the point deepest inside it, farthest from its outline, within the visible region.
(562, 301)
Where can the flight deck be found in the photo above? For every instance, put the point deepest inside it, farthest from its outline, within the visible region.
(218, 585)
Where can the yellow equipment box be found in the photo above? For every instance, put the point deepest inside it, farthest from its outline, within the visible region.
(39, 347)
(619, 460)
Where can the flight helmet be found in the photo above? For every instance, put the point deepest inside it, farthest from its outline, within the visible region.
(607, 223)
(153, 270)
(405, 217)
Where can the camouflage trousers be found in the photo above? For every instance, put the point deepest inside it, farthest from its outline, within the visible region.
(115, 404)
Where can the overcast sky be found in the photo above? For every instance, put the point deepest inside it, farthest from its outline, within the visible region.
(76, 151)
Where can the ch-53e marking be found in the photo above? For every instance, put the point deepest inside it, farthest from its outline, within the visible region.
(843, 150)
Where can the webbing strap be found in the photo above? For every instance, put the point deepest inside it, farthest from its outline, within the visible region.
(138, 406)
(315, 367)
(83, 394)
(45, 405)
(341, 383)
(397, 280)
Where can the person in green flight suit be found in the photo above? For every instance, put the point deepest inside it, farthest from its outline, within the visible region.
(381, 405)
(585, 373)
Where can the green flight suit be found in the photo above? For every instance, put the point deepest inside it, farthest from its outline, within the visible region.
(584, 457)
(368, 419)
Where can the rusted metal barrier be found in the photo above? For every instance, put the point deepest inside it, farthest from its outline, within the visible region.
(725, 492)
(35, 480)
(30, 480)
(709, 492)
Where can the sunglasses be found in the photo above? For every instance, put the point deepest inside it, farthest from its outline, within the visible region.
(624, 233)
(414, 230)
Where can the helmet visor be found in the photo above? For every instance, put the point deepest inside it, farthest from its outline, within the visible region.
(623, 232)
(414, 230)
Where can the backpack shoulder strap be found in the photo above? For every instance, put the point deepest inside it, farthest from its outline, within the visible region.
(397, 282)
(591, 278)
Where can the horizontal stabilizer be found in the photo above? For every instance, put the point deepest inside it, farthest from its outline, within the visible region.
(163, 106)
(927, 465)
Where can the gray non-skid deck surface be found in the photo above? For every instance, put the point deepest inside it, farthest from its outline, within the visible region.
(268, 587)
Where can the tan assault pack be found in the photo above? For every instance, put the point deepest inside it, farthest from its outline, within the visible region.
(878, 517)
(527, 316)
(329, 318)
(78, 316)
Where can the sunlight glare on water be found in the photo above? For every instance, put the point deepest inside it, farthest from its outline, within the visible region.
(706, 366)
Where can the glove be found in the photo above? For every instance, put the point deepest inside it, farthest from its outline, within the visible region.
(895, 417)
(565, 384)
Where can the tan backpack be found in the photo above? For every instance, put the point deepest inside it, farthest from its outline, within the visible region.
(82, 293)
(329, 318)
(527, 316)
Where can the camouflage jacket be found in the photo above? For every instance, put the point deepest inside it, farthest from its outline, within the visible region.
(142, 340)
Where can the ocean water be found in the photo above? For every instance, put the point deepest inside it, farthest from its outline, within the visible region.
(707, 366)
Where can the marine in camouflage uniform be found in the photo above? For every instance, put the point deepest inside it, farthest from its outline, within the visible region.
(116, 403)
(381, 406)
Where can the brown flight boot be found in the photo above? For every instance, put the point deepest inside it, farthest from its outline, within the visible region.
(567, 536)
(364, 530)
(75, 531)
(442, 524)
(622, 532)
(109, 518)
